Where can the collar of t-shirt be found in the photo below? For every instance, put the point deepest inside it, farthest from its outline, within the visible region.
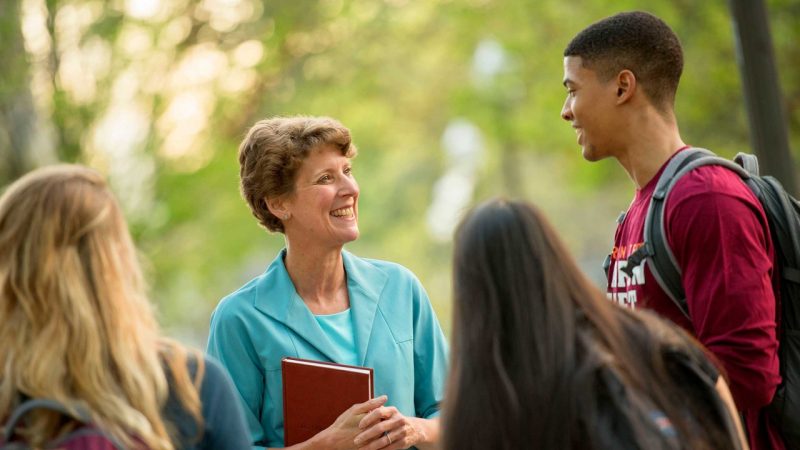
(648, 189)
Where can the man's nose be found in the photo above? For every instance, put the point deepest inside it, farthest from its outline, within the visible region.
(566, 111)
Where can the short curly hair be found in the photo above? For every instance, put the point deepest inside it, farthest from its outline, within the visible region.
(273, 151)
(637, 41)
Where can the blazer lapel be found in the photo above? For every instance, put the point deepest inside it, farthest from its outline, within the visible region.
(365, 283)
(277, 297)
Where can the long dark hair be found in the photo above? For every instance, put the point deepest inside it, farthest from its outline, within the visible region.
(542, 360)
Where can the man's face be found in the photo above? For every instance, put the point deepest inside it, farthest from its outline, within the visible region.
(590, 108)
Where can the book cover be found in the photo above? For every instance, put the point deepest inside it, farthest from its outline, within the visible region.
(315, 393)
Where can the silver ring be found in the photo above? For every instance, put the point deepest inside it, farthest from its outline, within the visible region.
(389, 438)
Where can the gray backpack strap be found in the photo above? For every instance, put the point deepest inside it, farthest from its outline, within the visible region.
(37, 403)
(661, 259)
(748, 162)
(43, 403)
(607, 260)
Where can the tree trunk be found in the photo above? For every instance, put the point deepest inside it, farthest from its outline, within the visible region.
(762, 92)
(17, 110)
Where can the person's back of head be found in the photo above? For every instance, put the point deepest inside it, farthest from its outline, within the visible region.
(75, 323)
(636, 41)
(509, 296)
(541, 359)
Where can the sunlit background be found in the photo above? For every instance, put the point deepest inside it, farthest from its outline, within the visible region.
(449, 102)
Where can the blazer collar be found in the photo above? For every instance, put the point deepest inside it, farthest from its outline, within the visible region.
(277, 297)
(365, 283)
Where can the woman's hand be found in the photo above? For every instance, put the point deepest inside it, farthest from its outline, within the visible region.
(385, 428)
(340, 435)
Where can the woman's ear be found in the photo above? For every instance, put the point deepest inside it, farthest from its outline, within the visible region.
(626, 86)
(278, 207)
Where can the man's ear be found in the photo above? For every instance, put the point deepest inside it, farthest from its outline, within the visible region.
(626, 86)
(278, 207)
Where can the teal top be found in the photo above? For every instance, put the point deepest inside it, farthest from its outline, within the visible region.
(339, 329)
(396, 334)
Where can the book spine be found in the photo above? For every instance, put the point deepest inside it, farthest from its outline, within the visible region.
(286, 436)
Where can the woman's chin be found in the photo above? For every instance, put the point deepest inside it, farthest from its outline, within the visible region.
(347, 236)
(352, 236)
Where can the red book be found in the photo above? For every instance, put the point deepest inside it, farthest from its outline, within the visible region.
(315, 393)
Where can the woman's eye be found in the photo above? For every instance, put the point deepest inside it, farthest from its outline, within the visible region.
(348, 170)
(324, 178)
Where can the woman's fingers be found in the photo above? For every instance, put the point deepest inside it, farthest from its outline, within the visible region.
(376, 415)
(396, 439)
(369, 405)
(384, 442)
(379, 430)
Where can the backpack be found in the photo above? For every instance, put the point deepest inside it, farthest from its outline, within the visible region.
(85, 437)
(783, 215)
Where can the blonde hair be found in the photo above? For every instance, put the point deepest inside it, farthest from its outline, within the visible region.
(273, 151)
(75, 323)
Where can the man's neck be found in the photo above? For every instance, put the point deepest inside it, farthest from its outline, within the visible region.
(654, 140)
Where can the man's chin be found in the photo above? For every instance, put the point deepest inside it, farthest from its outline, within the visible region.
(589, 155)
(592, 155)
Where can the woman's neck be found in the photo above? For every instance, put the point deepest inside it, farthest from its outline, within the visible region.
(319, 278)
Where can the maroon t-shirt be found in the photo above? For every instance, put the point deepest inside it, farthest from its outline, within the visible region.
(719, 235)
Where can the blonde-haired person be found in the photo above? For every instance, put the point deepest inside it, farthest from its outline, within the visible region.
(76, 326)
(317, 301)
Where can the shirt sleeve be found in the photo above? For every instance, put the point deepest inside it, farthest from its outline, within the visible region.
(721, 242)
(222, 412)
(230, 343)
(430, 356)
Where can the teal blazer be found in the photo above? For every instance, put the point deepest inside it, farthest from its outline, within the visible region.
(395, 328)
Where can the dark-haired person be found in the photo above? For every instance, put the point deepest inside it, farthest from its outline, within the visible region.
(542, 360)
(317, 301)
(621, 75)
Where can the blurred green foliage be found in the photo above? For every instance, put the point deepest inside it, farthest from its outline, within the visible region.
(158, 95)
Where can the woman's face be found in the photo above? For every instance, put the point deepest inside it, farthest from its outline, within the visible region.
(324, 205)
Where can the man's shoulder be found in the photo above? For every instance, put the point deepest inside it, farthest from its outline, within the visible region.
(707, 184)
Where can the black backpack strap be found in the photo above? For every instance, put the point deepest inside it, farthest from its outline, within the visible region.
(78, 414)
(661, 260)
(782, 212)
(781, 202)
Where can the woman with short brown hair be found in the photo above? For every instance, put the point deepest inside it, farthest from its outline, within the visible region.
(317, 301)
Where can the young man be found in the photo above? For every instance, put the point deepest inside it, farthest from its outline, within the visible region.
(621, 75)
